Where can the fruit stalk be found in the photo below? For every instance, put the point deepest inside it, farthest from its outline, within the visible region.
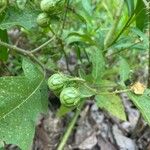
(70, 127)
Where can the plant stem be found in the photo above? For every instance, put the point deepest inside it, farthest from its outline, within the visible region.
(19, 50)
(62, 48)
(121, 50)
(70, 127)
(77, 79)
(110, 35)
(115, 92)
(65, 16)
(22, 51)
(149, 52)
(148, 84)
(41, 46)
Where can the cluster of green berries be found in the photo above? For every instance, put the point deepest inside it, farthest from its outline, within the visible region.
(69, 95)
(49, 8)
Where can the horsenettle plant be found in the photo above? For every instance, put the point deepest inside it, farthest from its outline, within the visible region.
(108, 39)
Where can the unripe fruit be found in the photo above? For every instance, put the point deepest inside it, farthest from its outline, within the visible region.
(54, 7)
(43, 20)
(69, 97)
(56, 82)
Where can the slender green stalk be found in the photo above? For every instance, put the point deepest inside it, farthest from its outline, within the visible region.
(41, 46)
(115, 92)
(124, 49)
(110, 35)
(65, 16)
(70, 127)
(62, 48)
(149, 49)
(148, 84)
(21, 51)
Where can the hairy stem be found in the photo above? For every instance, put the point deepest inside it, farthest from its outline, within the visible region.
(70, 127)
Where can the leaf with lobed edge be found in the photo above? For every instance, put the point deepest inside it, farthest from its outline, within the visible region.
(21, 99)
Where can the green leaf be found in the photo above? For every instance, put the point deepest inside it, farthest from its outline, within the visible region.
(141, 15)
(142, 35)
(142, 102)
(85, 91)
(81, 37)
(87, 6)
(3, 50)
(98, 63)
(130, 6)
(112, 104)
(124, 70)
(21, 99)
(15, 17)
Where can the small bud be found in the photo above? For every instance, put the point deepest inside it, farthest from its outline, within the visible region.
(43, 20)
(69, 96)
(57, 81)
(53, 7)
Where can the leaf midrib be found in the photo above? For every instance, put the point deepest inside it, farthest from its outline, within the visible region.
(20, 104)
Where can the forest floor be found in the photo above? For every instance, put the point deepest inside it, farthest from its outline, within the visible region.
(95, 130)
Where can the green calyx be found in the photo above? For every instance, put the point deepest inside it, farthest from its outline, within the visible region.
(53, 7)
(70, 97)
(57, 81)
(43, 20)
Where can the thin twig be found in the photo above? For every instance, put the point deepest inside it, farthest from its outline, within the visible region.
(22, 51)
(62, 48)
(115, 92)
(148, 84)
(41, 46)
(65, 16)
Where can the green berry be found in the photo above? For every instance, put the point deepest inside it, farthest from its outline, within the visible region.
(43, 20)
(54, 7)
(57, 81)
(69, 97)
